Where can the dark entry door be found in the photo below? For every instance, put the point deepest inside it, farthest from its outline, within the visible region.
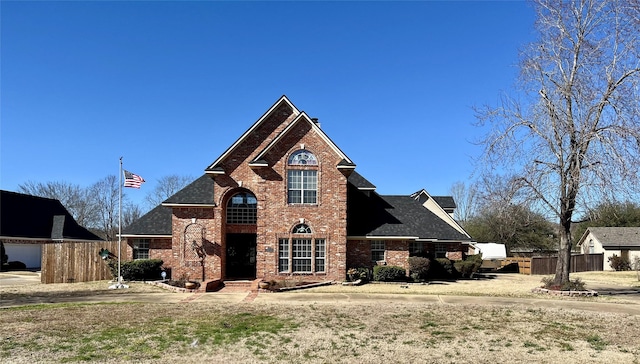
(241, 256)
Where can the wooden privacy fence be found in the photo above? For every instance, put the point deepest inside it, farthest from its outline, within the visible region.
(76, 261)
(547, 265)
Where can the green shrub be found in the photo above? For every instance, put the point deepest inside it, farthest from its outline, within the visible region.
(469, 266)
(442, 268)
(619, 263)
(362, 273)
(419, 268)
(389, 273)
(137, 270)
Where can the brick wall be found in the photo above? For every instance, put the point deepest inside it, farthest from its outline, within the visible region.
(359, 253)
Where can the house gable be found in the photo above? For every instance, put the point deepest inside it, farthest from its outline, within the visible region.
(435, 205)
(262, 131)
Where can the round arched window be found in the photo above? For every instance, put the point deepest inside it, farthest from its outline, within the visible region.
(301, 229)
(303, 157)
(242, 208)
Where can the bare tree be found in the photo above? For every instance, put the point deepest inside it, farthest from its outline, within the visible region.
(573, 135)
(165, 188)
(104, 198)
(466, 199)
(73, 197)
(130, 213)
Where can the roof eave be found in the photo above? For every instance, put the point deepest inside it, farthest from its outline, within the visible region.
(146, 236)
(169, 204)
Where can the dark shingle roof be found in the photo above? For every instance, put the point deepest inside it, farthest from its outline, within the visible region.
(370, 214)
(154, 222)
(612, 237)
(26, 216)
(198, 192)
(360, 182)
(446, 202)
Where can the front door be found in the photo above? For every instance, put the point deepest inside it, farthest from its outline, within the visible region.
(241, 256)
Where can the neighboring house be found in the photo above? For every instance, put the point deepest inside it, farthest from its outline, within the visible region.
(285, 201)
(621, 241)
(27, 222)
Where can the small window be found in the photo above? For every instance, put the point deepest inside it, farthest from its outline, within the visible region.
(377, 250)
(283, 255)
(141, 249)
(441, 250)
(301, 229)
(320, 255)
(303, 158)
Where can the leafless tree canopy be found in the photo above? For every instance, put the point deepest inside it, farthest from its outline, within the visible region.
(165, 188)
(466, 199)
(73, 197)
(572, 136)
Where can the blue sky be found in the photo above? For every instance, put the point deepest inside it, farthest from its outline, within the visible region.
(170, 85)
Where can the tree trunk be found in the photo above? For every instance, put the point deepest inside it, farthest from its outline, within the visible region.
(563, 267)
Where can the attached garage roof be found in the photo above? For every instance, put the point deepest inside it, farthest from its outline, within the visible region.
(32, 217)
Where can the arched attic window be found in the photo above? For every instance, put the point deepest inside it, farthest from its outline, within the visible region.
(242, 208)
(302, 178)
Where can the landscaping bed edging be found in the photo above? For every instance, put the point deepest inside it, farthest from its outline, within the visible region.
(565, 293)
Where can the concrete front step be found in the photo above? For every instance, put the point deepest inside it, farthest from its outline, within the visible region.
(240, 286)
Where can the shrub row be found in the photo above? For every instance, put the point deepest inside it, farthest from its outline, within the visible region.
(389, 273)
(137, 270)
(423, 269)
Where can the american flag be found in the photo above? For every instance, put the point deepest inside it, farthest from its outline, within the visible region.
(132, 180)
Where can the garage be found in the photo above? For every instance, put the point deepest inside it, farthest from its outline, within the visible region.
(29, 254)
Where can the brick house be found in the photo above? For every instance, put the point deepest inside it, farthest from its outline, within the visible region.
(285, 201)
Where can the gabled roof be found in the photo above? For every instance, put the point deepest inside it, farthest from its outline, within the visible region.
(360, 182)
(614, 237)
(283, 100)
(156, 222)
(302, 117)
(32, 217)
(446, 202)
(197, 193)
(375, 216)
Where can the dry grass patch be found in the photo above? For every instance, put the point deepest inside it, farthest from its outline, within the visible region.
(496, 285)
(314, 333)
(56, 290)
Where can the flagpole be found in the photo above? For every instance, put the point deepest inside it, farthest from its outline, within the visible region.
(119, 284)
(120, 224)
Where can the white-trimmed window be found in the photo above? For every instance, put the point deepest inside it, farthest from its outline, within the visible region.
(321, 253)
(283, 255)
(141, 248)
(302, 178)
(301, 253)
(377, 250)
